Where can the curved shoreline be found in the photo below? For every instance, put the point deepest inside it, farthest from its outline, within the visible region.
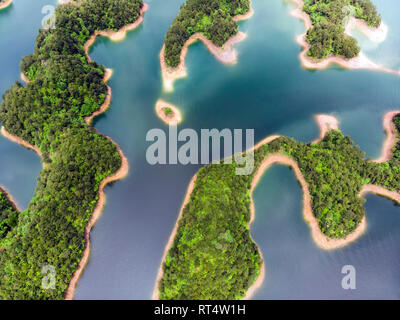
(174, 118)
(381, 191)
(115, 35)
(376, 35)
(171, 239)
(319, 238)
(325, 123)
(25, 144)
(359, 62)
(107, 100)
(12, 202)
(24, 78)
(225, 54)
(122, 172)
(5, 4)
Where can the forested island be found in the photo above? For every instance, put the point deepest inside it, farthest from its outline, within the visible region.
(49, 113)
(5, 3)
(329, 17)
(213, 18)
(8, 214)
(213, 255)
(167, 112)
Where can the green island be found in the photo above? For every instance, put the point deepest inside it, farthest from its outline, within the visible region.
(327, 36)
(49, 113)
(168, 111)
(213, 18)
(8, 214)
(213, 255)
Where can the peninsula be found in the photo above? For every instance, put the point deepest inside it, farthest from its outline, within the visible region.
(5, 3)
(68, 90)
(213, 255)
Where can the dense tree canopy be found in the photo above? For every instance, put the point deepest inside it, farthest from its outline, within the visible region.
(211, 17)
(213, 255)
(329, 18)
(49, 113)
(8, 215)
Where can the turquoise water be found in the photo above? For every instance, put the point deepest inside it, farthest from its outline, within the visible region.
(267, 90)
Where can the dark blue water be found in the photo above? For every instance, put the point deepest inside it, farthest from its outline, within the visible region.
(19, 25)
(267, 90)
(296, 268)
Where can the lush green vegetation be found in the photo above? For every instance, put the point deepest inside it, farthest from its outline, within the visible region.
(387, 174)
(213, 18)
(2, 3)
(168, 111)
(49, 113)
(213, 255)
(328, 16)
(8, 215)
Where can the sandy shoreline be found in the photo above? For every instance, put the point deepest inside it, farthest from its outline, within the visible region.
(226, 54)
(13, 203)
(115, 35)
(376, 35)
(259, 281)
(122, 171)
(319, 238)
(120, 174)
(360, 62)
(171, 239)
(107, 101)
(325, 123)
(174, 118)
(190, 188)
(391, 137)
(24, 78)
(381, 191)
(27, 145)
(5, 4)
(20, 141)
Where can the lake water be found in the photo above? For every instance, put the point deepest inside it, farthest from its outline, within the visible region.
(267, 90)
